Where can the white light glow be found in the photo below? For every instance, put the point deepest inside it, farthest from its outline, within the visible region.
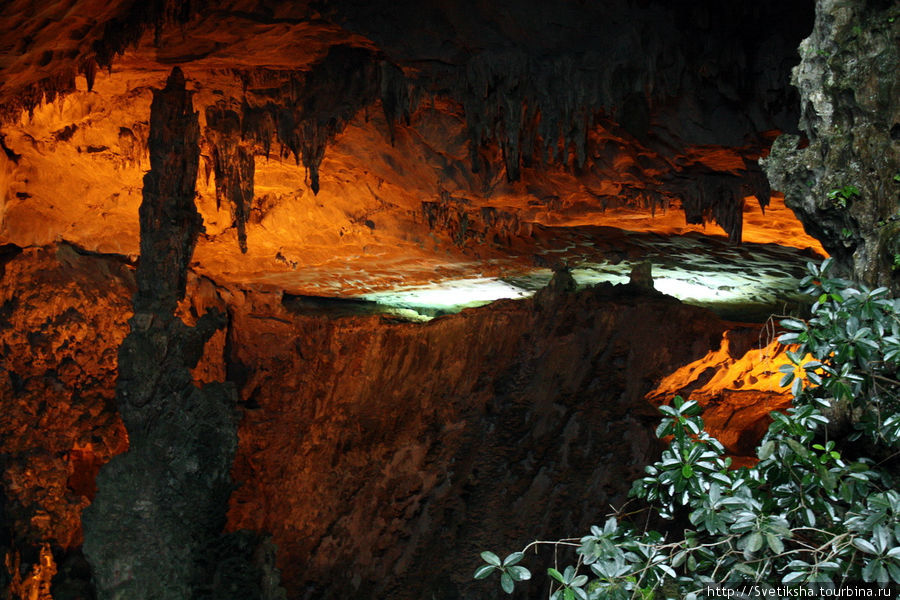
(688, 290)
(705, 287)
(449, 295)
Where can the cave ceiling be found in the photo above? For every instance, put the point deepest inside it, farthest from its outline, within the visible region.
(362, 149)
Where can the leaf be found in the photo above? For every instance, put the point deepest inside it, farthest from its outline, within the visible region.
(787, 379)
(483, 571)
(868, 570)
(513, 559)
(518, 573)
(555, 574)
(490, 558)
(793, 324)
(797, 447)
(894, 570)
(610, 526)
(579, 581)
(766, 450)
(865, 546)
(568, 594)
(669, 571)
(792, 577)
(774, 542)
(687, 471)
(754, 542)
(507, 583)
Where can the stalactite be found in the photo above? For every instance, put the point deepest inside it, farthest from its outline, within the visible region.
(233, 162)
(118, 34)
(715, 197)
(303, 111)
(395, 100)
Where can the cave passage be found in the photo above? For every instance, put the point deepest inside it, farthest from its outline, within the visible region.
(298, 296)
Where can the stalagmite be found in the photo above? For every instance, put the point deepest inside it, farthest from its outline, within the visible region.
(162, 504)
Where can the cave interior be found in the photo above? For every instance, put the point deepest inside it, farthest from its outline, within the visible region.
(317, 298)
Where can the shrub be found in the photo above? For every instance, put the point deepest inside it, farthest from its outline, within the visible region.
(820, 507)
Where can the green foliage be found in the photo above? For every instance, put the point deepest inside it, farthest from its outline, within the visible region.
(854, 339)
(811, 511)
(840, 197)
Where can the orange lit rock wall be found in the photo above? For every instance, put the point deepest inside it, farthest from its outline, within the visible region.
(369, 448)
(397, 203)
(63, 316)
(366, 444)
(738, 384)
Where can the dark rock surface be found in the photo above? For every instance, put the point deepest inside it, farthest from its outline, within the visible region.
(845, 184)
(160, 507)
(391, 451)
(384, 456)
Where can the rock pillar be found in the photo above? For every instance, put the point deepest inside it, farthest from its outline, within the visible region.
(162, 504)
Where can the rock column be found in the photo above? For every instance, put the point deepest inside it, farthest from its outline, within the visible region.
(161, 505)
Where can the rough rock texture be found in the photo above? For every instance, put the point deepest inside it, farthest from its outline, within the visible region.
(369, 442)
(845, 184)
(437, 136)
(160, 507)
(384, 456)
(62, 316)
(738, 385)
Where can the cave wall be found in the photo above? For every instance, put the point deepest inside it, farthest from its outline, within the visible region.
(365, 444)
(844, 184)
(349, 146)
(511, 119)
(397, 452)
(63, 318)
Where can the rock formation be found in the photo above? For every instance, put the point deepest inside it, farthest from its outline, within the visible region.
(844, 184)
(255, 410)
(160, 506)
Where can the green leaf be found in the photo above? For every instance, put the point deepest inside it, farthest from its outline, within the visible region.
(793, 577)
(518, 573)
(793, 324)
(507, 583)
(669, 571)
(579, 581)
(774, 542)
(865, 546)
(483, 571)
(555, 574)
(490, 558)
(894, 570)
(754, 542)
(513, 559)
(766, 450)
(687, 471)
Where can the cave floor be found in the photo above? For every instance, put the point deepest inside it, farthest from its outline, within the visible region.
(747, 282)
